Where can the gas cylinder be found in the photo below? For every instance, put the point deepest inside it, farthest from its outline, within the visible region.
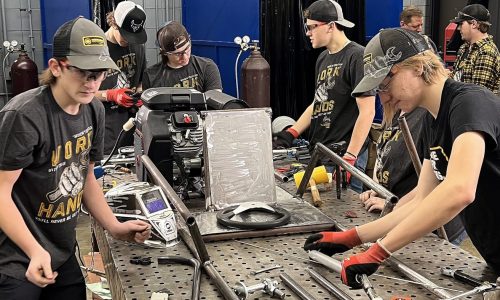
(255, 72)
(24, 73)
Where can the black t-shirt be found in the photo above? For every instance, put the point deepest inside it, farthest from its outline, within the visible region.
(334, 109)
(132, 62)
(467, 107)
(200, 73)
(395, 170)
(53, 149)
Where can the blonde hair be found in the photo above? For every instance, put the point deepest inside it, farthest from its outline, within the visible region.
(432, 70)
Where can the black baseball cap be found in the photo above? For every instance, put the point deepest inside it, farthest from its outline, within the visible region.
(327, 11)
(473, 12)
(83, 43)
(131, 18)
(384, 50)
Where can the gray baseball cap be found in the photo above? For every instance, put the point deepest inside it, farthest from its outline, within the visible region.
(327, 11)
(83, 43)
(384, 50)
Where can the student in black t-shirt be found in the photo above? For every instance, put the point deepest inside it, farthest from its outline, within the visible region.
(50, 138)
(334, 115)
(125, 37)
(461, 169)
(178, 67)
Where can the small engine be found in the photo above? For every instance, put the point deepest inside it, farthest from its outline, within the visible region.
(169, 129)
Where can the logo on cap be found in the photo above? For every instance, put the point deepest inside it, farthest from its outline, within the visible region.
(93, 40)
(136, 27)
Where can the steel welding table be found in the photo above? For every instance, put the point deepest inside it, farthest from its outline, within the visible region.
(235, 261)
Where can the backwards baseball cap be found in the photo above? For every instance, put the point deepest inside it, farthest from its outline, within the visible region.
(83, 43)
(384, 50)
(172, 36)
(131, 18)
(472, 12)
(327, 11)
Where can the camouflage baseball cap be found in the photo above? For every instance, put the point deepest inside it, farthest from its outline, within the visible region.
(83, 43)
(384, 50)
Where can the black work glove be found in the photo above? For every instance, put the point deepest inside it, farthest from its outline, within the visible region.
(330, 242)
(283, 139)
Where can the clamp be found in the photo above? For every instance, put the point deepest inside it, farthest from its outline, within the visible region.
(139, 260)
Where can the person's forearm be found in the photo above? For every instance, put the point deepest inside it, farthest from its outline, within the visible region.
(304, 121)
(374, 230)
(406, 198)
(427, 216)
(360, 131)
(96, 204)
(13, 225)
(101, 96)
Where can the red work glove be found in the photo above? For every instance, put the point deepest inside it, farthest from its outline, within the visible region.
(329, 242)
(120, 97)
(351, 161)
(363, 263)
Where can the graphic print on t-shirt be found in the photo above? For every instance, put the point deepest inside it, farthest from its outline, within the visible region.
(70, 162)
(323, 106)
(439, 161)
(189, 82)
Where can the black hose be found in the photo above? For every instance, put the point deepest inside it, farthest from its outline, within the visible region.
(114, 147)
(195, 290)
(224, 218)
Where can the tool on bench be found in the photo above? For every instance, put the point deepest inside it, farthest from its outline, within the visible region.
(267, 285)
(490, 290)
(319, 175)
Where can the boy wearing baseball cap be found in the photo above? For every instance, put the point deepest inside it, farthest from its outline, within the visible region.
(125, 37)
(461, 167)
(50, 138)
(334, 114)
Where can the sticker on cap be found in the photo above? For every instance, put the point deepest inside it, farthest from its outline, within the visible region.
(94, 40)
(368, 58)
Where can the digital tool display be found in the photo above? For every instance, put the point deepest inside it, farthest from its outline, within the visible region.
(153, 201)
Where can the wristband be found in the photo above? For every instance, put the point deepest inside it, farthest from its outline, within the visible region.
(293, 132)
(347, 152)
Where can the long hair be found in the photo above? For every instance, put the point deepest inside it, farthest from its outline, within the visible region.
(432, 70)
(47, 78)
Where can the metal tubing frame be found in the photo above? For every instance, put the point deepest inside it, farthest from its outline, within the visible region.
(328, 285)
(195, 290)
(295, 287)
(321, 150)
(198, 247)
(410, 145)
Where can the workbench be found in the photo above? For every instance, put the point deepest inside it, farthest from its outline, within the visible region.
(236, 259)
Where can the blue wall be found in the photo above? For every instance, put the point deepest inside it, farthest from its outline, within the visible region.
(214, 24)
(53, 14)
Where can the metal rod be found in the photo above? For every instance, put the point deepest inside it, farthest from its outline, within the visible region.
(328, 285)
(197, 239)
(32, 37)
(296, 288)
(322, 150)
(417, 164)
(198, 248)
(409, 272)
(195, 290)
(277, 252)
(268, 232)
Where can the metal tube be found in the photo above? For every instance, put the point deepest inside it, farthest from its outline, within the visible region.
(326, 261)
(409, 272)
(322, 149)
(198, 247)
(410, 145)
(32, 38)
(296, 288)
(197, 239)
(195, 290)
(328, 285)
(158, 179)
(4, 22)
